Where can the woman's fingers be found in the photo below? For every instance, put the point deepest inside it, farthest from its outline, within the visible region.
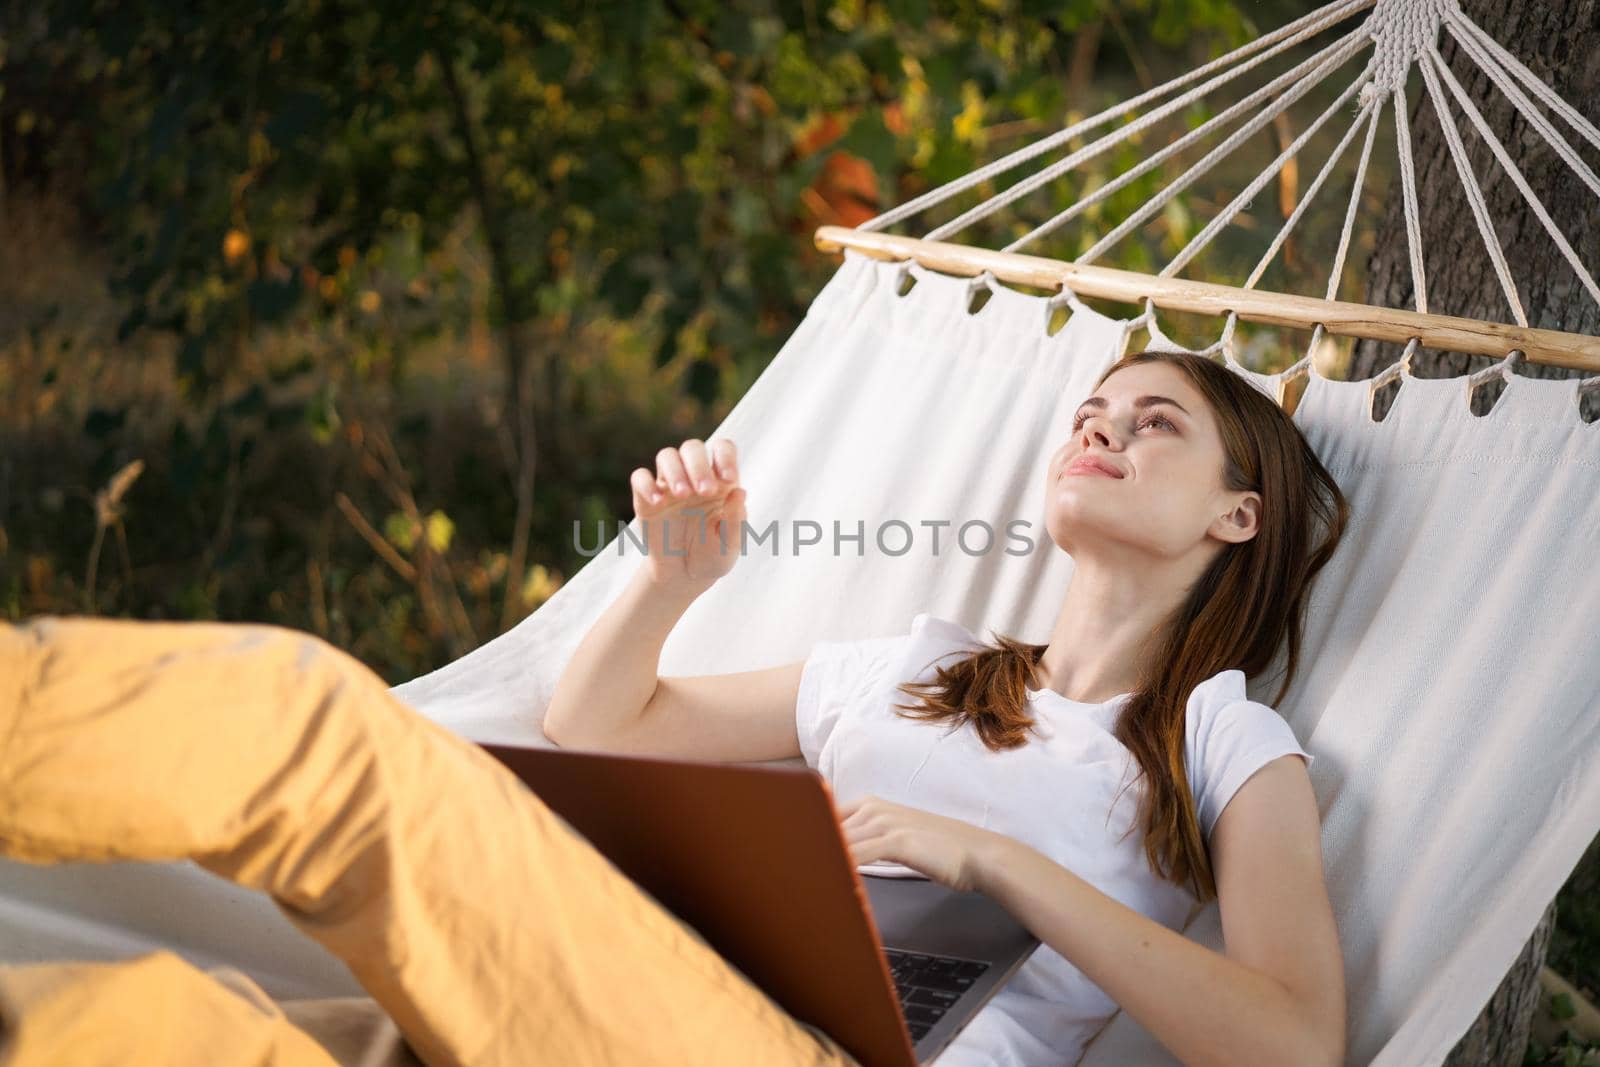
(725, 460)
(692, 470)
(669, 465)
(729, 519)
(697, 463)
(850, 807)
(646, 493)
(705, 469)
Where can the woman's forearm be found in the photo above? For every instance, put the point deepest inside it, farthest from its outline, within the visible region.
(1204, 1007)
(613, 673)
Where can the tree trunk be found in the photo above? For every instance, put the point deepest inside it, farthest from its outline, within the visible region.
(1560, 42)
(1499, 1036)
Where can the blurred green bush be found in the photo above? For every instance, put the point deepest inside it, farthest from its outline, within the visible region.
(380, 298)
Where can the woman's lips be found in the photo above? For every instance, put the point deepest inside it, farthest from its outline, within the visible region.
(1089, 465)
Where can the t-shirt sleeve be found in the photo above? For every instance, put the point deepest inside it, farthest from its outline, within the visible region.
(1235, 742)
(839, 676)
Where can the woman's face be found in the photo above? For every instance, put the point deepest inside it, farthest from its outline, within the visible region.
(1154, 432)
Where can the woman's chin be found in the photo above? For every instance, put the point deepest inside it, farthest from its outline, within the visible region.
(1080, 534)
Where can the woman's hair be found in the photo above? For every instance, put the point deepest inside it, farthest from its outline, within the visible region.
(1249, 599)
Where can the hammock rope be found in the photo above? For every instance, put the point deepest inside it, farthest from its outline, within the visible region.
(1199, 241)
(1516, 175)
(1460, 25)
(1301, 75)
(1286, 37)
(1403, 34)
(1469, 181)
(1525, 106)
(1299, 84)
(1370, 112)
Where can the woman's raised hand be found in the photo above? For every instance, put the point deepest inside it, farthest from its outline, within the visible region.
(692, 508)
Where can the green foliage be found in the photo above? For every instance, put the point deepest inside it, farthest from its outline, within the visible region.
(1575, 942)
(312, 157)
(343, 229)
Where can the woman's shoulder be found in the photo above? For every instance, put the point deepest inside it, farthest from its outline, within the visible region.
(1222, 705)
(1217, 692)
(928, 626)
(1230, 736)
(857, 672)
(933, 640)
(927, 636)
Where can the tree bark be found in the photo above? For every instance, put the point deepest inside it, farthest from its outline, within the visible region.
(1499, 1035)
(1560, 42)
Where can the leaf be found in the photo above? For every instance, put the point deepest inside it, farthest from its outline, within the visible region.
(400, 531)
(873, 141)
(539, 585)
(967, 126)
(322, 416)
(439, 531)
(1178, 221)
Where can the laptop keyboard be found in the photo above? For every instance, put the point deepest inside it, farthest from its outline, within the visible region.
(929, 985)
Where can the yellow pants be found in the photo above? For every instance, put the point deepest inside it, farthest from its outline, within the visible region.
(485, 927)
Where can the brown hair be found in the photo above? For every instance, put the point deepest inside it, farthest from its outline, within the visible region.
(1249, 599)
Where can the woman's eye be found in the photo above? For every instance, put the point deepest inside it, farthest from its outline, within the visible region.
(1153, 420)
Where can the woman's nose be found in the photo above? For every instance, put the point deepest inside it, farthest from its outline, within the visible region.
(1095, 433)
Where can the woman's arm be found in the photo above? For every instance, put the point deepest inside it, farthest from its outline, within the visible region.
(1276, 997)
(610, 697)
(612, 675)
(692, 510)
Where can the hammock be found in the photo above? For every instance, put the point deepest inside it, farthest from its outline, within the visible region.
(1448, 687)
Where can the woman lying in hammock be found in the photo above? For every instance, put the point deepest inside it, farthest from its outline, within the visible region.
(491, 933)
(1196, 516)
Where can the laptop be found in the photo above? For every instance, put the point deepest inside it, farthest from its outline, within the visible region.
(753, 857)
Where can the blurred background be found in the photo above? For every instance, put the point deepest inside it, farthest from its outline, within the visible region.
(269, 276)
(339, 315)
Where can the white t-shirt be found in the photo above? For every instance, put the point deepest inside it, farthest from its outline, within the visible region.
(1054, 793)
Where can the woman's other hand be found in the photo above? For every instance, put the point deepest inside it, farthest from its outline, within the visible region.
(692, 508)
(947, 850)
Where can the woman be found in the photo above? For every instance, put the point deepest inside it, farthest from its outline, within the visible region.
(1196, 517)
(490, 932)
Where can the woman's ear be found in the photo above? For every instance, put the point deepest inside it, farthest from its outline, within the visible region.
(1241, 523)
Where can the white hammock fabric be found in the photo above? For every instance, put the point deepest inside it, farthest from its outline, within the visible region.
(1449, 688)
